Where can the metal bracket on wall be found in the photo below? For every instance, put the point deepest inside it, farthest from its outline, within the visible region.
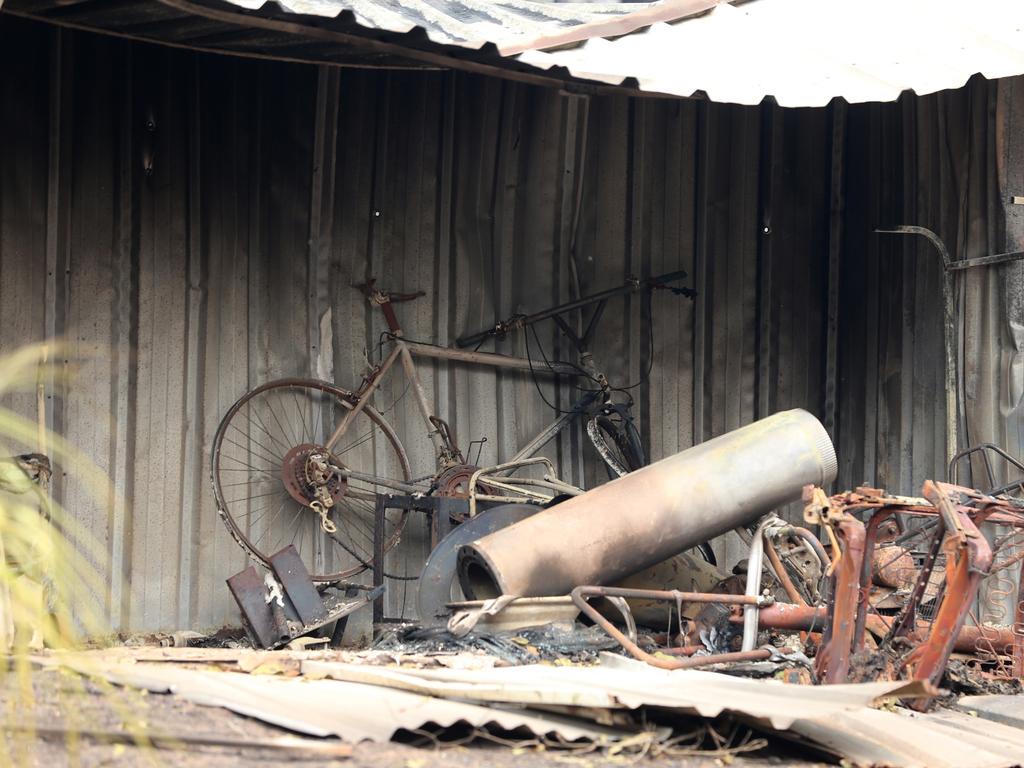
(949, 267)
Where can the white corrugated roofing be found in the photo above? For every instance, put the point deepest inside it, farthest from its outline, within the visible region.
(466, 23)
(805, 52)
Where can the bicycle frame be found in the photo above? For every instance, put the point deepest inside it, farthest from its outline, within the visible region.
(404, 352)
(446, 453)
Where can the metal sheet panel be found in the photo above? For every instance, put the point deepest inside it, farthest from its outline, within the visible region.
(350, 711)
(806, 52)
(192, 225)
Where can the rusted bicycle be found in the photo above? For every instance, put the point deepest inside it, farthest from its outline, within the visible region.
(301, 461)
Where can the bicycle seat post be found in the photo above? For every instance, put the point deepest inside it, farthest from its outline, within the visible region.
(386, 300)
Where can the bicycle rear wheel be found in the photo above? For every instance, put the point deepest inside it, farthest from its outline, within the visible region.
(260, 476)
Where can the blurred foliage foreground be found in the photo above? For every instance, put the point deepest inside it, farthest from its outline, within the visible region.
(54, 579)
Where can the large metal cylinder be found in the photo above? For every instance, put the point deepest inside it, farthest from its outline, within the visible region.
(632, 523)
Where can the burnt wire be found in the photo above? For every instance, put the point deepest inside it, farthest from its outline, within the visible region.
(624, 389)
(650, 354)
(533, 372)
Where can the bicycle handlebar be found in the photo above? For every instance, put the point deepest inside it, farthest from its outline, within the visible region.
(631, 286)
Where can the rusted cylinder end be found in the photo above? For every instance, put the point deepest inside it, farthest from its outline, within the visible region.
(629, 524)
(476, 577)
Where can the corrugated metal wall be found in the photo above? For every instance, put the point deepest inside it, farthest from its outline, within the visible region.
(191, 225)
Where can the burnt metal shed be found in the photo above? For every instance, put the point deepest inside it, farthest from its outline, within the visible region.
(191, 223)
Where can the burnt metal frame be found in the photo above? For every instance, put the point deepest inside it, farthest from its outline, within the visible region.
(957, 511)
(619, 595)
(402, 350)
(984, 450)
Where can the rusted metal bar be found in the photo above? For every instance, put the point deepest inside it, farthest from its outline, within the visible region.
(580, 595)
(870, 534)
(641, 519)
(833, 661)
(966, 564)
(956, 512)
(806, 618)
(780, 572)
(673, 595)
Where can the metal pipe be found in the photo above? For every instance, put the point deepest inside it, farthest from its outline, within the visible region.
(492, 359)
(579, 598)
(508, 465)
(805, 618)
(631, 523)
(631, 286)
(755, 567)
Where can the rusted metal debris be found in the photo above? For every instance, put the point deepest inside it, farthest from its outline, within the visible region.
(898, 605)
(930, 625)
(284, 604)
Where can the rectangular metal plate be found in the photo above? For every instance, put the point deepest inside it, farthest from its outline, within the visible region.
(250, 593)
(298, 587)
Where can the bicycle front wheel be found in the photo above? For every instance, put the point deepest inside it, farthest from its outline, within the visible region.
(617, 441)
(261, 476)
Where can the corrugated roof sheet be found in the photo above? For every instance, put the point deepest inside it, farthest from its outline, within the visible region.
(802, 52)
(805, 52)
(371, 702)
(466, 23)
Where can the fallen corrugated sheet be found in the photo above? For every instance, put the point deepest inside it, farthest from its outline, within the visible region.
(351, 711)
(805, 52)
(913, 740)
(1007, 710)
(374, 703)
(836, 718)
(624, 683)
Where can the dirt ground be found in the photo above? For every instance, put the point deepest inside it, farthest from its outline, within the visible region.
(63, 701)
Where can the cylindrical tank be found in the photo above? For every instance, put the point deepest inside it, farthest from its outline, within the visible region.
(632, 523)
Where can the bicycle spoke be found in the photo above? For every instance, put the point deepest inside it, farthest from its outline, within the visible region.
(250, 466)
(262, 512)
(267, 430)
(232, 485)
(359, 441)
(273, 517)
(284, 432)
(302, 418)
(259, 425)
(295, 517)
(271, 459)
(256, 496)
